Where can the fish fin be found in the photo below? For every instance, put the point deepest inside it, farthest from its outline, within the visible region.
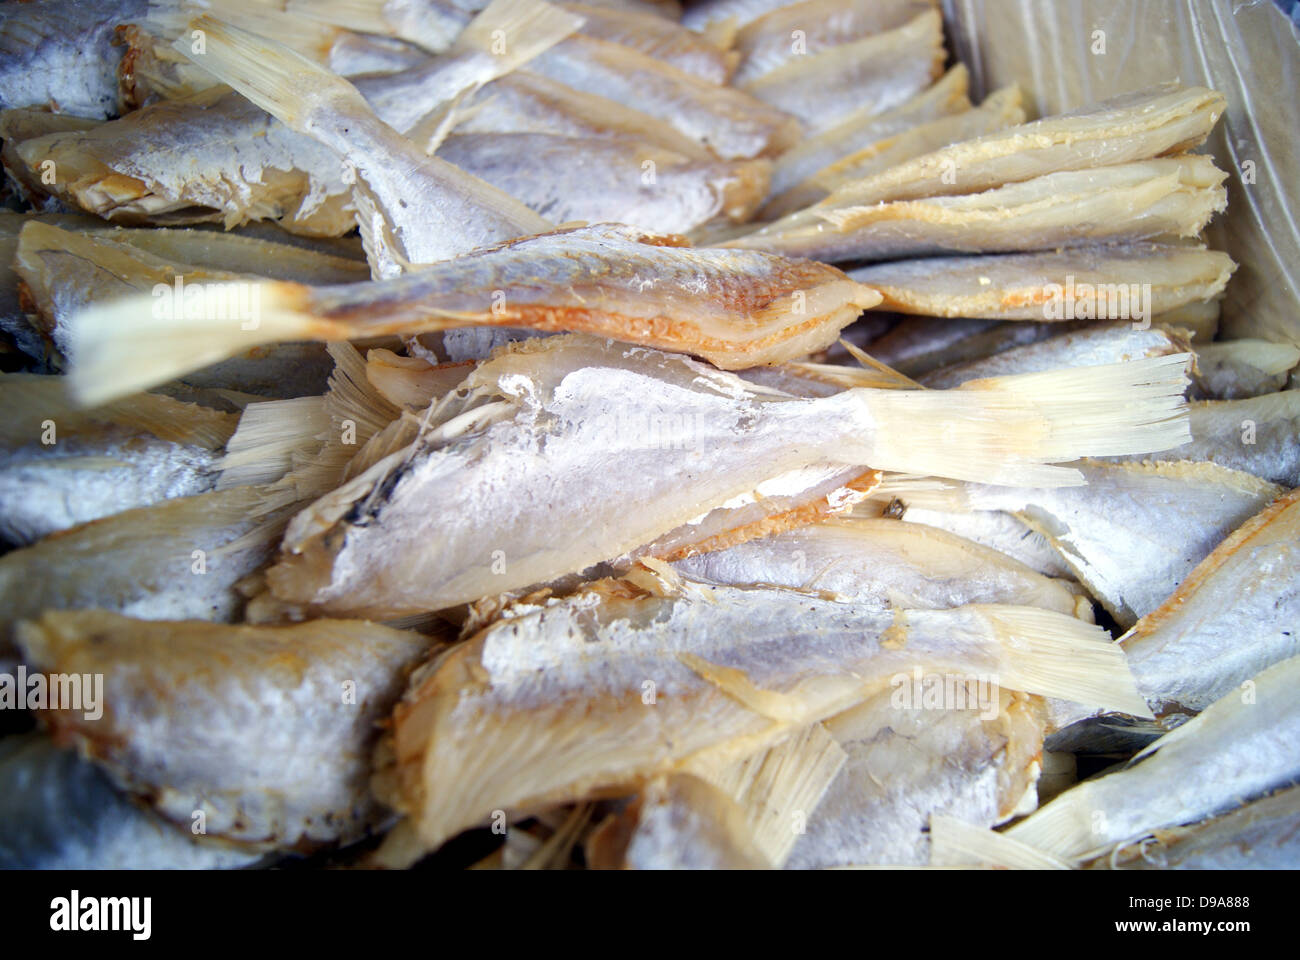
(768, 703)
(29, 400)
(954, 842)
(1009, 430)
(779, 786)
(516, 31)
(139, 341)
(291, 87)
(270, 438)
(1057, 655)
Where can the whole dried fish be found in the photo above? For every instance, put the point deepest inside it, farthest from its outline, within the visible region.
(666, 680)
(906, 763)
(1146, 200)
(735, 308)
(569, 410)
(264, 732)
(867, 125)
(898, 565)
(883, 71)
(59, 55)
(1240, 747)
(799, 29)
(617, 180)
(1082, 284)
(1000, 109)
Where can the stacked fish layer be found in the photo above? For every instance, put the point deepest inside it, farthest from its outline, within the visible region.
(652, 437)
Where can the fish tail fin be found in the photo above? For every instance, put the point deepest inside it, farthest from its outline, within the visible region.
(956, 843)
(291, 87)
(141, 341)
(1009, 430)
(515, 31)
(1070, 826)
(270, 438)
(1057, 655)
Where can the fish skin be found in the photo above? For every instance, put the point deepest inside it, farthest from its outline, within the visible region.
(1135, 531)
(1139, 201)
(1018, 286)
(1090, 346)
(904, 566)
(1233, 751)
(601, 648)
(1259, 435)
(599, 180)
(1003, 532)
(1192, 650)
(698, 16)
(905, 764)
(885, 70)
(59, 811)
(251, 725)
(866, 126)
(1240, 369)
(44, 490)
(726, 120)
(1261, 835)
(765, 43)
(59, 54)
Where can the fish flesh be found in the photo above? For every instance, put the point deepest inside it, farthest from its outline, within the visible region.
(556, 407)
(1000, 109)
(947, 96)
(1081, 283)
(1125, 203)
(734, 308)
(810, 27)
(59, 55)
(1241, 746)
(262, 734)
(883, 71)
(61, 812)
(897, 565)
(665, 679)
(907, 763)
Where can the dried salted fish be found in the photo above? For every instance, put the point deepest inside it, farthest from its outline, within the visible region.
(1263, 835)
(1145, 200)
(735, 308)
(59, 55)
(264, 733)
(584, 414)
(240, 164)
(866, 125)
(1135, 531)
(771, 40)
(1088, 346)
(61, 812)
(907, 762)
(673, 678)
(611, 179)
(883, 71)
(1129, 280)
(1239, 369)
(1000, 109)
(899, 565)
(1242, 746)
(1237, 613)
(658, 37)
(1260, 435)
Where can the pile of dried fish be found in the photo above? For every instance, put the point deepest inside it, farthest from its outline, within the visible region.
(648, 437)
